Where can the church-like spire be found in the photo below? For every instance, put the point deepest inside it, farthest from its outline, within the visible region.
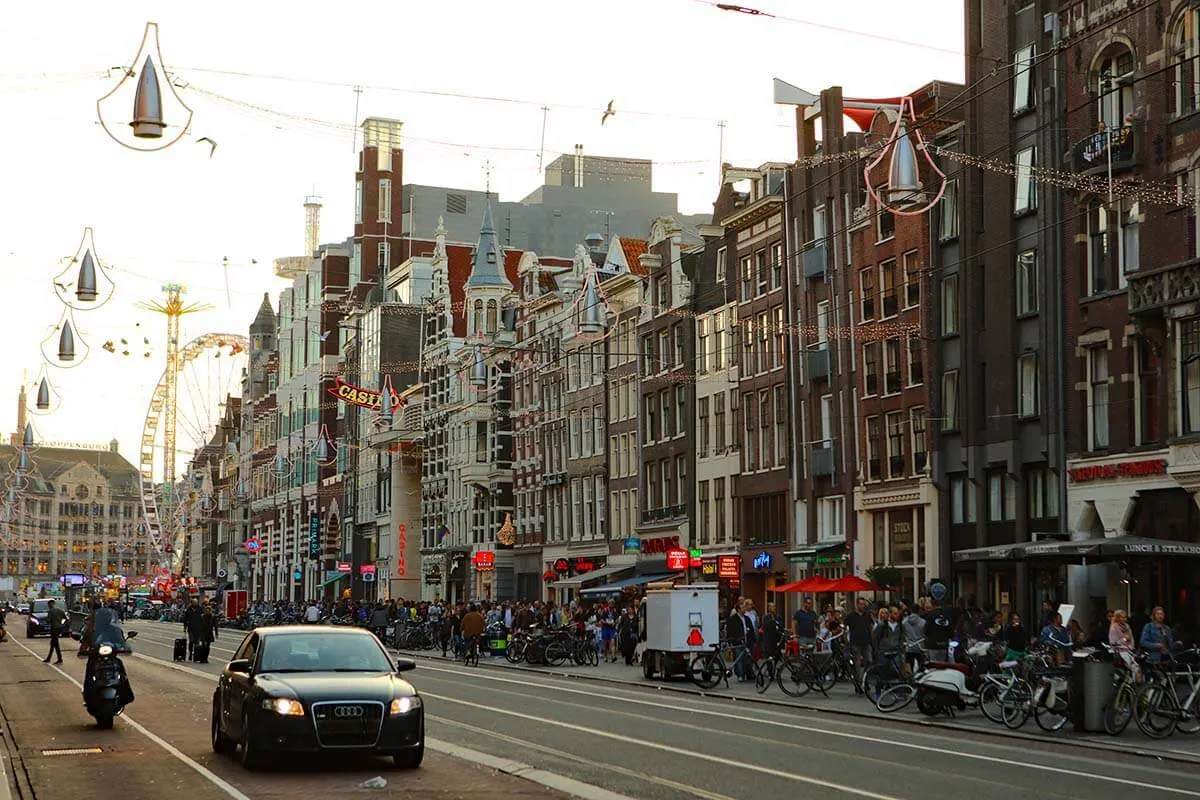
(487, 268)
(264, 321)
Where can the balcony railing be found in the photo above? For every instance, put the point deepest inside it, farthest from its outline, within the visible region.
(1090, 155)
(1151, 290)
(822, 460)
(816, 259)
(818, 363)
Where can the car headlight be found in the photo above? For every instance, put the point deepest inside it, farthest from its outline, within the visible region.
(35, 620)
(403, 705)
(284, 706)
(105, 650)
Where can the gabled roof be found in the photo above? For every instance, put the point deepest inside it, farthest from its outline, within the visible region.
(50, 462)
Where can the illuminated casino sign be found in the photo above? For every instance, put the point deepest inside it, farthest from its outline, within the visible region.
(357, 396)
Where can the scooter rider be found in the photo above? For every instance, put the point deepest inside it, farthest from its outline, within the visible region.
(106, 630)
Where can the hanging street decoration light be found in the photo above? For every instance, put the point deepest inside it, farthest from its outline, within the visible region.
(160, 118)
(43, 395)
(64, 347)
(85, 283)
(324, 451)
(281, 466)
(386, 407)
(479, 370)
(904, 191)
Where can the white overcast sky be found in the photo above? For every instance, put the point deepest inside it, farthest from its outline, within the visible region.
(673, 67)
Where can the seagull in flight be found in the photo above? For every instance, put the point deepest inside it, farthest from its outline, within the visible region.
(608, 112)
(211, 144)
(325, 335)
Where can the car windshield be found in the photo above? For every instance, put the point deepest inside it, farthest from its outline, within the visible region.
(40, 606)
(316, 652)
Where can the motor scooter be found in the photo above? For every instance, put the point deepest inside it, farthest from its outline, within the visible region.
(106, 689)
(945, 687)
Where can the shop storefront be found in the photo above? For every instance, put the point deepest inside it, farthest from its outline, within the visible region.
(571, 574)
(528, 569)
(830, 559)
(762, 570)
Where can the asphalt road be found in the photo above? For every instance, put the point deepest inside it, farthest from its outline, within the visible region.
(649, 744)
(160, 747)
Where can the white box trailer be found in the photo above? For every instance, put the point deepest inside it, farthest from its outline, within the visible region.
(678, 623)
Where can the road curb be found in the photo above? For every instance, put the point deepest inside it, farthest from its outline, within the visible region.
(517, 769)
(1087, 744)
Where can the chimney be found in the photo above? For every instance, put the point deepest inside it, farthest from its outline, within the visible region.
(578, 166)
(22, 418)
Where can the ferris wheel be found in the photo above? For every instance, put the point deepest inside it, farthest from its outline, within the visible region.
(185, 410)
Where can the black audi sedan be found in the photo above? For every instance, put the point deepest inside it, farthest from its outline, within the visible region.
(315, 688)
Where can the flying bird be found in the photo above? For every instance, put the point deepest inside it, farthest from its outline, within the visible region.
(608, 112)
(66, 287)
(211, 144)
(325, 335)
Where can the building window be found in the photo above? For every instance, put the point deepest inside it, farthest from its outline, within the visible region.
(1023, 79)
(719, 509)
(1097, 249)
(950, 400)
(950, 305)
(718, 349)
(819, 230)
(651, 428)
(668, 414)
(702, 430)
(1189, 373)
(871, 368)
(781, 426)
(822, 325)
(1028, 396)
(920, 452)
(681, 473)
(962, 500)
(916, 366)
(1002, 497)
(750, 439)
(866, 284)
(1148, 376)
(887, 287)
(777, 265)
(874, 445)
(358, 204)
(722, 258)
(702, 346)
(885, 220)
(1027, 283)
(948, 211)
(831, 518)
(892, 366)
(912, 279)
(385, 257)
(385, 200)
(1041, 487)
(719, 422)
(1115, 90)
(456, 204)
(895, 434)
(1097, 358)
(781, 338)
(765, 343)
(1025, 196)
(703, 512)
(1131, 235)
(747, 278)
(681, 415)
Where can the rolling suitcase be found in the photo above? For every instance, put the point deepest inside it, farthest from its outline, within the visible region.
(181, 649)
(200, 652)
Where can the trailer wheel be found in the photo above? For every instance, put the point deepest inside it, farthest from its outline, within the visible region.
(648, 664)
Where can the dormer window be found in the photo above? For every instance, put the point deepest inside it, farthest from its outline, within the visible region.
(491, 257)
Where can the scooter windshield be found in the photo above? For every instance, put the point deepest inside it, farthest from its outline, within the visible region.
(107, 630)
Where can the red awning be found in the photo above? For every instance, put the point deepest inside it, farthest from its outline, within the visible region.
(853, 583)
(814, 584)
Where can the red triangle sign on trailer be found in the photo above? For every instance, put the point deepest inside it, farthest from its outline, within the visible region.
(695, 638)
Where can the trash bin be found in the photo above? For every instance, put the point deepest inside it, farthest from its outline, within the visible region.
(1091, 687)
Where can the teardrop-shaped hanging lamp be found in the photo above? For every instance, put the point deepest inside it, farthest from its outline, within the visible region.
(23, 461)
(231, 449)
(591, 319)
(321, 450)
(85, 281)
(386, 407)
(27, 436)
(43, 395)
(280, 466)
(904, 179)
(66, 342)
(147, 104)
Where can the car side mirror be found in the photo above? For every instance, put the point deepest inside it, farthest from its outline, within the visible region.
(405, 665)
(131, 635)
(241, 665)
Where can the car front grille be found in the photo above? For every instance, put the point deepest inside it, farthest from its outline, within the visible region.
(348, 723)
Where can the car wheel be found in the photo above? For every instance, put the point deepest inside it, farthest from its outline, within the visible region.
(222, 745)
(28, 633)
(250, 757)
(410, 759)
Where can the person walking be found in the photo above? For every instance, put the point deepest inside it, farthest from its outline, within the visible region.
(193, 626)
(56, 620)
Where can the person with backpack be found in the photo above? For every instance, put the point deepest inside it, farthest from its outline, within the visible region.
(939, 626)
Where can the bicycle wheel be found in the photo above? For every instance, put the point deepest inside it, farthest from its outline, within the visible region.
(792, 677)
(764, 676)
(1156, 711)
(1119, 711)
(515, 652)
(1188, 722)
(827, 678)
(1050, 710)
(557, 654)
(1015, 704)
(989, 702)
(895, 697)
(707, 670)
(592, 658)
(471, 656)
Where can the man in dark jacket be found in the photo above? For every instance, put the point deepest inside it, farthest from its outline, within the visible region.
(193, 626)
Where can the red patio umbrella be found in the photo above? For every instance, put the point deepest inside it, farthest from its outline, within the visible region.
(814, 584)
(852, 583)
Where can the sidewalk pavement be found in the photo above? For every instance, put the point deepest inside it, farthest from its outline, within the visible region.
(843, 701)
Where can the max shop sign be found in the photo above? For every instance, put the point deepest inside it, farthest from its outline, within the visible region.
(484, 560)
(762, 560)
(1124, 469)
(661, 545)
